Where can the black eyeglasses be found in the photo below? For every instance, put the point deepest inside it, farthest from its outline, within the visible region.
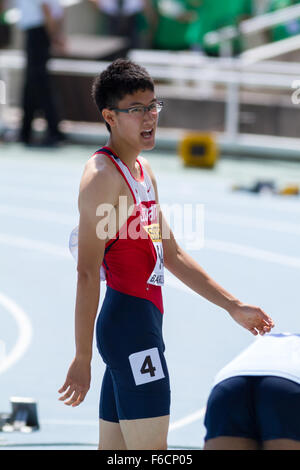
(140, 111)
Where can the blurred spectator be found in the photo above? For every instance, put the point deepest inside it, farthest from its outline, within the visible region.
(125, 18)
(213, 15)
(260, 7)
(41, 21)
(173, 19)
(288, 29)
(255, 400)
(5, 29)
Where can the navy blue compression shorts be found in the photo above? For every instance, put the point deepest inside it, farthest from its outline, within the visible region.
(261, 408)
(129, 339)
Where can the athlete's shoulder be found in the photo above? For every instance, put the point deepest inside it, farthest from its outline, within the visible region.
(99, 168)
(100, 180)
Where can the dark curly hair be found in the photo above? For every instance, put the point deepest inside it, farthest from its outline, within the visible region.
(122, 77)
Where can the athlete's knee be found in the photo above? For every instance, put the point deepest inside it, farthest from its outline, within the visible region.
(162, 445)
(119, 446)
(149, 446)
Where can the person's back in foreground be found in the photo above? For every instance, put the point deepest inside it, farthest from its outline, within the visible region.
(255, 401)
(128, 247)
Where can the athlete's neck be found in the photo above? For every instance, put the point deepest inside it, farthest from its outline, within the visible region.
(127, 154)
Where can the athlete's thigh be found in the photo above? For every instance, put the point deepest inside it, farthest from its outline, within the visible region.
(278, 411)
(231, 443)
(229, 412)
(281, 444)
(147, 433)
(111, 437)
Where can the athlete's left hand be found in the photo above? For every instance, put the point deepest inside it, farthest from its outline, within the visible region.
(254, 319)
(77, 382)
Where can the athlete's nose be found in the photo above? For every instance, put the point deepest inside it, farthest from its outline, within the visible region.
(149, 118)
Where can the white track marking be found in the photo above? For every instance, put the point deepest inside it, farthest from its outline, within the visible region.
(25, 333)
(37, 214)
(252, 252)
(288, 204)
(2, 351)
(70, 422)
(188, 419)
(196, 416)
(35, 245)
(252, 222)
(37, 195)
(213, 216)
(216, 245)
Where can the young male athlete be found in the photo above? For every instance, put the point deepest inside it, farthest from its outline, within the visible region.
(126, 247)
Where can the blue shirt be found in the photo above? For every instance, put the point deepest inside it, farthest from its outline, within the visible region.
(32, 15)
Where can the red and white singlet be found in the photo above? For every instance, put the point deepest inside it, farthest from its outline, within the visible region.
(133, 261)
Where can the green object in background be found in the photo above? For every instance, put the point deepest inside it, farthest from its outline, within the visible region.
(216, 14)
(174, 19)
(5, 30)
(142, 22)
(182, 24)
(288, 29)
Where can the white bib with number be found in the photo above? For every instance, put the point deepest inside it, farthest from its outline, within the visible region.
(146, 366)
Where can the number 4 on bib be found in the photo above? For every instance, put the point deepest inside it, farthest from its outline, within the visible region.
(146, 366)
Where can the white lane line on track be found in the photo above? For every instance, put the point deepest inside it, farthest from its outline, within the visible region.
(37, 195)
(35, 245)
(30, 213)
(70, 422)
(252, 252)
(215, 245)
(252, 222)
(198, 415)
(289, 204)
(180, 423)
(25, 333)
(37, 214)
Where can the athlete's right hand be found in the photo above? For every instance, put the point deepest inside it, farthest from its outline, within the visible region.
(77, 382)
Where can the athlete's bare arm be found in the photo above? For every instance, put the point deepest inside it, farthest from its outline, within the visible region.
(100, 185)
(185, 268)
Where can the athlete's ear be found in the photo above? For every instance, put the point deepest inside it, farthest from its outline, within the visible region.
(109, 116)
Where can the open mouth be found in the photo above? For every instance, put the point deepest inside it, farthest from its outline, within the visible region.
(147, 134)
